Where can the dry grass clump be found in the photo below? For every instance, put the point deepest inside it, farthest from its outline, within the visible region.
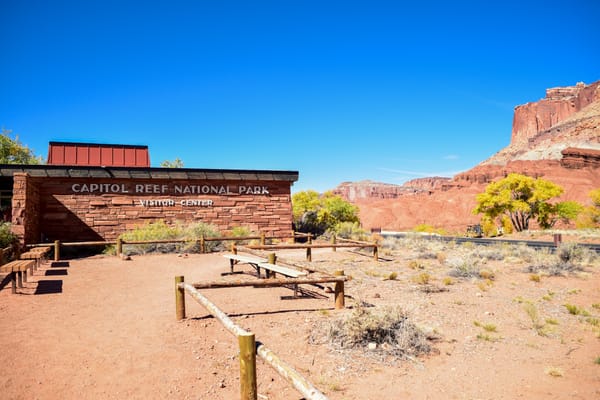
(521, 251)
(490, 253)
(417, 243)
(384, 333)
(463, 266)
(422, 279)
(541, 328)
(568, 258)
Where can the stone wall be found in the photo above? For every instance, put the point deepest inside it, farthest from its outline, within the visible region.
(73, 209)
(26, 209)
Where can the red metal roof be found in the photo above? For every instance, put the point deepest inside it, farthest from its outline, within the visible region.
(105, 155)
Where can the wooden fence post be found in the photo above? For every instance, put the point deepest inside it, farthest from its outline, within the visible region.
(375, 251)
(333, 242)
(2, 257)
(340, 301)
(247, 344)
(233, 248)
(202, 245)
(179, 299)
(272, 259)
(57, 250)
(262, 239)
(119, 246)
(308, 254)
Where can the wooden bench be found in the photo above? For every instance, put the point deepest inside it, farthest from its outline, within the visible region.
(236, 258)
(269, 268)
(18, 272)
(33, 255)
(291, 273)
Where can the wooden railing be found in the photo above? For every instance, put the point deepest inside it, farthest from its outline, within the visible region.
(249, 347)
(310, 245)
(203, 240)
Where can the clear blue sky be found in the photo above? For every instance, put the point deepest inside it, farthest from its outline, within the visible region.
(337, 90)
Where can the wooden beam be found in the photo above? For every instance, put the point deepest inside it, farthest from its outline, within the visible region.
(268, 282)
(304, 246)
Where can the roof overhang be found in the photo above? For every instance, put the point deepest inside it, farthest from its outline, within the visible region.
(61, 171)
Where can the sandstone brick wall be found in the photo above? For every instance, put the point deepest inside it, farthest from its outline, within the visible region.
(72, 209)
(26, 209)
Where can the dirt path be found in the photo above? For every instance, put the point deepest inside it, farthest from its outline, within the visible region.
(106, 329)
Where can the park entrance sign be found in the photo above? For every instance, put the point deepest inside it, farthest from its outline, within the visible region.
(91, 202)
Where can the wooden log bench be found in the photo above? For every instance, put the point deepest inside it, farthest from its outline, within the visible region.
(18, 272)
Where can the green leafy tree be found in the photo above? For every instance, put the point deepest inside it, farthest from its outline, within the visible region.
(564, 211)
(12, 151)
(590, 215)
(176, 163)
(522, 198)
(317, 213)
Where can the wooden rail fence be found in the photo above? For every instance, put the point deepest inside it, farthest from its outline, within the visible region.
(249, 347)
(310, 246)
(203, 240)
(57, 245)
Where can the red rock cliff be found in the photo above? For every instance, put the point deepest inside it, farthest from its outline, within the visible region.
(556, 138)
(560, 103)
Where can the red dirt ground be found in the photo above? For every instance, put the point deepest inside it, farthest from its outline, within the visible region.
(105, 328)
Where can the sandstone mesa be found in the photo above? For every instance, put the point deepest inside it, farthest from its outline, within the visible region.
(556, 138)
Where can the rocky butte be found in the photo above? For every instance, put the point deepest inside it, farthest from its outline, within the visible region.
(556, 138)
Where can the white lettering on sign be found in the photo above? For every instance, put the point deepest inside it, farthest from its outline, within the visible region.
(157, 203)
(164, 189)
(171, 203)
(253, 190)
(151, 188)
(99, 188)
(202, 189)
(196, 203)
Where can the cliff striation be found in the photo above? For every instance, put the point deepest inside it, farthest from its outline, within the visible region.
(560, 103)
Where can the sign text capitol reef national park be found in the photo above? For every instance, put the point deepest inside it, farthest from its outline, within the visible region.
(148, 188)
(165, 189)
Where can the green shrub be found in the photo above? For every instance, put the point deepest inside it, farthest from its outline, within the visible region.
(241, 231)
(195, 231)
(159, 230)
(7, 238)
(426, 228)
(350, 230)
(317, 213)
(488, 227)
